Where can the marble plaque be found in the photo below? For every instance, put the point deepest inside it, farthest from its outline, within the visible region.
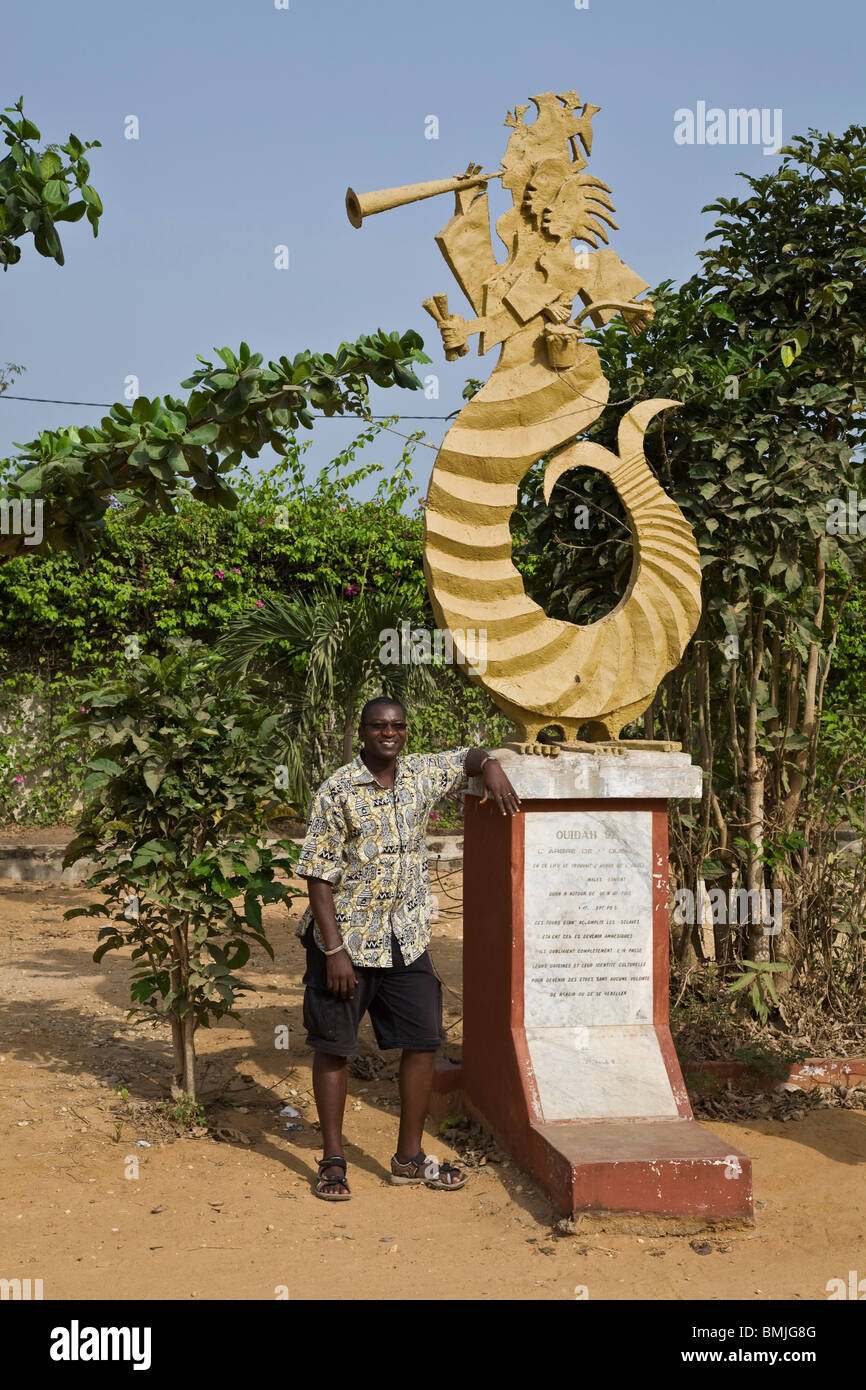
(588, 987)
(587, 911)
(600, 1073)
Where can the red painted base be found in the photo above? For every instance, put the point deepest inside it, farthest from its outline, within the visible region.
(660, 1167)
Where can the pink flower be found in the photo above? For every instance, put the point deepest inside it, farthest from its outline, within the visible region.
(351, 590)
(220, 574)
(259, 603)
(235, 569)
(19, 778)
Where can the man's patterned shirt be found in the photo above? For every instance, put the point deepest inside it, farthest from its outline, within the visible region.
(369, 842)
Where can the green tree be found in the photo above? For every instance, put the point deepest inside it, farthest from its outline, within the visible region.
(765, 347)
(38, 188)
(152, 451)
(188, 574)
(181, 792)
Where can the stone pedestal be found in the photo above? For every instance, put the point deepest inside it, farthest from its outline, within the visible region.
(567, 1051)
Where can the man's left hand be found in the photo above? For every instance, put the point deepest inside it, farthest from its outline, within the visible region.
(498, 787)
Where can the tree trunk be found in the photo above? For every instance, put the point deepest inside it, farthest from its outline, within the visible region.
(702, 672)
(828, 659)
(722, 930)
(706, 929)
(759, 948)
(773, 725)
(756, 778)
(189, 1051)
(783, 941)
(683, 935)
(733, 726)
(183, 1029)
(808, 728)
(176, 1035)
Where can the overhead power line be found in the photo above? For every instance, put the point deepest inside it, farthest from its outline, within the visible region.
(106, 405)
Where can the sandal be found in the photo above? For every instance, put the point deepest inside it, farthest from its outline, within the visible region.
(443, 1176)
(322, 1182)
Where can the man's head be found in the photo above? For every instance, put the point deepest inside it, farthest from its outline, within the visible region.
(382, 727)
(545, 181)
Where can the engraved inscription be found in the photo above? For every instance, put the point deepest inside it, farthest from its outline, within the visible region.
(588, 918)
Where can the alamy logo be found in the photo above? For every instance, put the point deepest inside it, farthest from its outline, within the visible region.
(20, 1289)
(22, 517)
(846, 518)
(418, 646)
(735, 126)
(739, 906)
(855, 1288)
(76, 1343)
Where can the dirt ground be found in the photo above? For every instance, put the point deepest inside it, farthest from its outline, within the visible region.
(100, 1198)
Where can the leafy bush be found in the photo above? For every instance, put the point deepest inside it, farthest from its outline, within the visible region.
(181, 793)
(193, 574)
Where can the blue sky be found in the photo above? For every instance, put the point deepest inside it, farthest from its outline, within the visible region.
(253, 120)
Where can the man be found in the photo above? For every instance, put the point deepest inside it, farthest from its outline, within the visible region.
(367, 929)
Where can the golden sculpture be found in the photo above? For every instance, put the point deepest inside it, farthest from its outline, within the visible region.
(546, 388)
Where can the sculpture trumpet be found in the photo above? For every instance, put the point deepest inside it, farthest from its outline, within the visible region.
(361, 205)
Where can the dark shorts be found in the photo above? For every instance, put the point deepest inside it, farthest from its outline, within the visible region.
(404, 1003)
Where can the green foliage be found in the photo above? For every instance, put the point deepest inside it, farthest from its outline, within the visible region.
(751, 472)
(183, 576)
(181, 792)
(766, 348)
(40, 777)
(152, 451)
(847, 605)
(35, 188)
(324, 646)
(329, 648)
(194, 574)
(186, 1112)
(757, 979)
(577, 548)
(8, 373)
(756, 450)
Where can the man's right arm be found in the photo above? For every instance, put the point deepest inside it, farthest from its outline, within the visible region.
(321, 863)
(340, 970)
